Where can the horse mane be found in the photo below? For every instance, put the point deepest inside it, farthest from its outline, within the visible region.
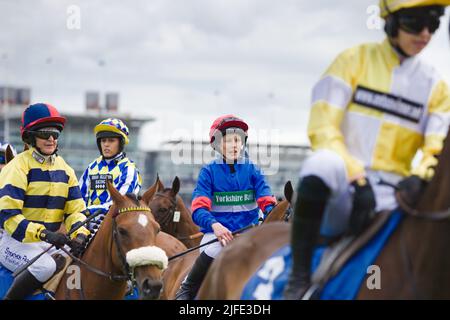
(136, 199)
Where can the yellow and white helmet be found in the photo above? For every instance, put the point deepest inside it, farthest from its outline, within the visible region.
(388, 7)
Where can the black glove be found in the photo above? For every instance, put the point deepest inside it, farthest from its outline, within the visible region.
(55, 238)
(410, 189)
(77, 245)
(363, 206)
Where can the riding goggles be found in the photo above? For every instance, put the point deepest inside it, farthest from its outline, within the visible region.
(414, 24)
(46, 134)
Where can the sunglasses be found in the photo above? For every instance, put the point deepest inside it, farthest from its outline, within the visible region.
(45, 135)
(414, 24)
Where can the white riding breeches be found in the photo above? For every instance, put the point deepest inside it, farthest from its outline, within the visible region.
(330, 167)
(14, 254)
(213, 249)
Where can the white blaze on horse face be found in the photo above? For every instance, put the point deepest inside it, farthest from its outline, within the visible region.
(143, 220)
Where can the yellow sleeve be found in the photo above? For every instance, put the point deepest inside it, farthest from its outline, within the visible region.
(435, 131)
(75, 206)
(330, 98)
(13, 186)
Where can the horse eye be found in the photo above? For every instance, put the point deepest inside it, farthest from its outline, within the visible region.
(123, 232)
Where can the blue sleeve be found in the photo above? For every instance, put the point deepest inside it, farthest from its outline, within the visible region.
(202, 201)
(262, 189)
(263, 193)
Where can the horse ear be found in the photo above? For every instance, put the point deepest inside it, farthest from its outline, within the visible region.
(115, 194)
(288, 191)
(9, 154)
(175, 186)
(148, 195)
(160, 185)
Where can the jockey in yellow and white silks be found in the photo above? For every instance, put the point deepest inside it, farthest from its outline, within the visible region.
(372, 110)
(113, 164)
(38, 191)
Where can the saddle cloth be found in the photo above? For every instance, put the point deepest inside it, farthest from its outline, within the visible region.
(271, 277)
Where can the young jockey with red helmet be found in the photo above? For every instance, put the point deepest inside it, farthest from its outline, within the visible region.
(229, 193)
(38, 191)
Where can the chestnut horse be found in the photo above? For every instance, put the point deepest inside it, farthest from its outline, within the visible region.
(414, 262)
(123, 249)
(172, 215)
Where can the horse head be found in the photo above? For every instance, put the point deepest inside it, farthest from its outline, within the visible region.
(283, 210)
(164, 203)
(134, 237)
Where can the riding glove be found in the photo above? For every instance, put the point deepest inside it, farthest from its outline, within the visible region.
(55, 238)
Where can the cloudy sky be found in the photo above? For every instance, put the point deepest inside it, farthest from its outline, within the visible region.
(186, 62)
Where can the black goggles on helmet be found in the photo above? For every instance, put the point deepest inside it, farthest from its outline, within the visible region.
(414, 20)
(45, 135)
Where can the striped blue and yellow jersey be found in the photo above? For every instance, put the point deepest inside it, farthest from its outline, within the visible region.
(120, 170)
(37, 194)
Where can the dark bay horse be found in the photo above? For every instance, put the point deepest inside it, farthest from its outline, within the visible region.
(172, 214)
(414, 263)
(123, 248)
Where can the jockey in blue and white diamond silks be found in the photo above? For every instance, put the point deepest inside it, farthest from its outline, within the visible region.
(113, 164)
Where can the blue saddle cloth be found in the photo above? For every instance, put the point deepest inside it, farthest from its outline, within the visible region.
(6, 279)
(270, 279)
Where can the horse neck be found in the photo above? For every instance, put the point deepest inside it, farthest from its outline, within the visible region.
(278, 212)
(187, 225)
(427, 241)
(99, 255)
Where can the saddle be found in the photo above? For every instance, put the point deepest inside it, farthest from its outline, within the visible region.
(339, 253)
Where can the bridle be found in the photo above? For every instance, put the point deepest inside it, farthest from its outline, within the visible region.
(165, 221)
(128, 272)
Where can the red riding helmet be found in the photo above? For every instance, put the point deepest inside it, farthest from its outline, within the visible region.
(224, 122)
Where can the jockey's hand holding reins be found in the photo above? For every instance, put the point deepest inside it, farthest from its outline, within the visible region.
(55, 238)
(75, 227)
(410, 189)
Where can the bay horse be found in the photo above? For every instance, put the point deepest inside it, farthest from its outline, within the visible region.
(124, 248)
(414, 263)
(172, 214)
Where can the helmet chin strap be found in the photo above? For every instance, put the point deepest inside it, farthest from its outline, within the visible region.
(401, 53)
